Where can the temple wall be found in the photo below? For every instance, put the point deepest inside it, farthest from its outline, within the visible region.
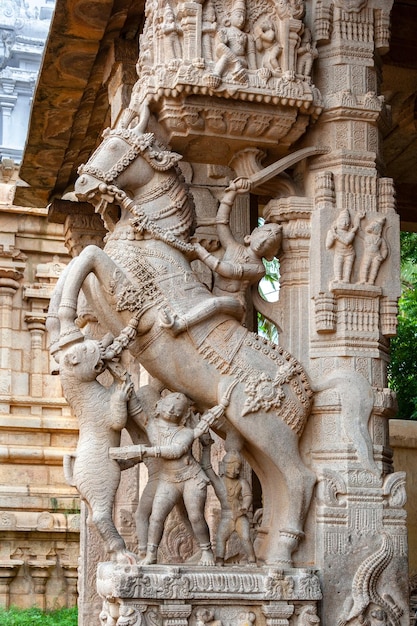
(39, 511)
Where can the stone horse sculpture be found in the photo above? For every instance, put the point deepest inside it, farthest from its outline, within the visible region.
(144, 271)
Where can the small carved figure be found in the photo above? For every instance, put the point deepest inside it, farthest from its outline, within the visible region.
(170, 30)
(180, 475)
(241, 264)
(208, 31)
(102, 413)
(375, 251)
(307, 52)
(246, 618)
(290, 9)
(129, 616)
(234, 48)
(205, 617)
(341, 236)
(106, 618)
(308, 616)
(267, 45)
(235, 497)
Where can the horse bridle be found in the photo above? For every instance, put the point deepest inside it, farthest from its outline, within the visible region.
(138, 145)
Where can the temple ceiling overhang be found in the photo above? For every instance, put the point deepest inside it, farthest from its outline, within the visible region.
(90, 41)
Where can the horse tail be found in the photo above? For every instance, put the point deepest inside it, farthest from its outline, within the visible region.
(357, 401)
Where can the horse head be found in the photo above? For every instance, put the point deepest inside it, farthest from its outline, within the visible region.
(110, 168)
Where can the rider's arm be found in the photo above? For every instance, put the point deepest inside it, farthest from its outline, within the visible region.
(224, 268)
(237, 186)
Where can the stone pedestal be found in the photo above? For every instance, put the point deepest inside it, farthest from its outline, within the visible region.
(186, 595)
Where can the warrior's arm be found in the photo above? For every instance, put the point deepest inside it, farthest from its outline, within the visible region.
(246, 495)
(224, 268)
(239, 185)
(205, 462)
(235, 271)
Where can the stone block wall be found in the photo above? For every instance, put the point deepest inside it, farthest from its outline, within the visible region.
(39, 512)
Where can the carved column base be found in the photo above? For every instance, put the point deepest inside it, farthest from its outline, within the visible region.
(8, 570)
(40, 572)
(71, 577)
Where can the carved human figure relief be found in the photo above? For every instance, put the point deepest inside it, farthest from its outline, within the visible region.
(208, 30)
(241, 265)
(170, 31)
(179, 476)
(375, 251)
(267, 46)
(234, 48)
(235, 495)
(340, 238)
(205, 617)
(108, 614)
(306, 53)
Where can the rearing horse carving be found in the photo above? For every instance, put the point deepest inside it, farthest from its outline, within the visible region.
(144, 272)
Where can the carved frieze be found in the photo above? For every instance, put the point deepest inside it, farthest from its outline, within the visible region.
(257, 53)
(211, 583)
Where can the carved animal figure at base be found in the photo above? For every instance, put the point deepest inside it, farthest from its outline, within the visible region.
(101, 414)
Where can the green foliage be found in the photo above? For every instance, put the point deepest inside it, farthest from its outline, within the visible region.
(269, 287)
(30, 617)
(402, 372)
(267, 329)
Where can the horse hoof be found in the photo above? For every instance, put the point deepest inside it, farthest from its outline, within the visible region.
(125, 557)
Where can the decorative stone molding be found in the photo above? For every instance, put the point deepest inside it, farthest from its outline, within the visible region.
(208, 583)
(266, 596)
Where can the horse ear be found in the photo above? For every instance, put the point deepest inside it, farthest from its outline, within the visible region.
(162, 160)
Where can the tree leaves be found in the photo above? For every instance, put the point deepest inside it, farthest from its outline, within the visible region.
(402, 371)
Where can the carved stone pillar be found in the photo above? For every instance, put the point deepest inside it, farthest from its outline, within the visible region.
(82, 226)
(294, 214)
(71, 578)
(277, 614)
(190, 15)
(36, 325)
(11, 272)
(175, 614)
(7, 104)
(40, 572)
(8, 571)
(38, 295)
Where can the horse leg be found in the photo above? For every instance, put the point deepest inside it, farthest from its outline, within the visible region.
(285, 518)
(273, 451)
(53, 325)
(91, 260)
